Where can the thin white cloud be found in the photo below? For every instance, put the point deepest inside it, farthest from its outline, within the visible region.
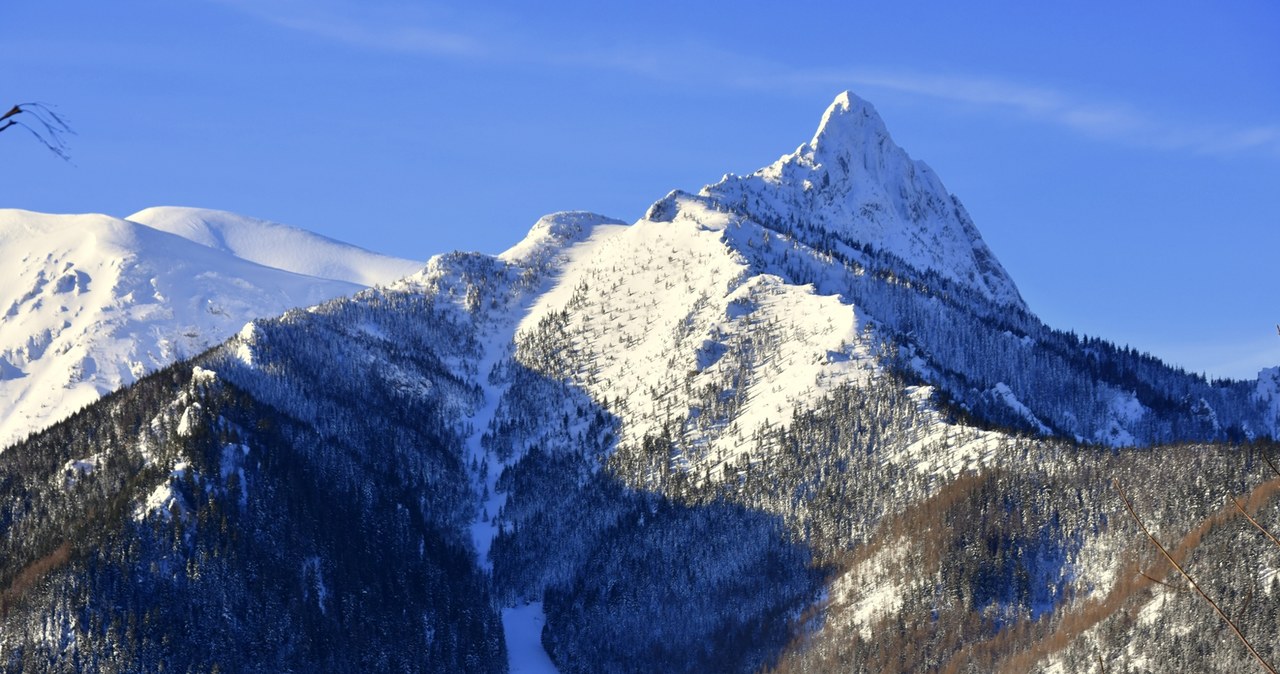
(1259, 137)
(398, 38)
(397, 28)
(415, 29)
(1106, 121)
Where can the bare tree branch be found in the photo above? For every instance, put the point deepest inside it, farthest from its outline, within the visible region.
(1171, 586)
(1254, 522)
(47, 126)
(1264, 456)
(1133, 513)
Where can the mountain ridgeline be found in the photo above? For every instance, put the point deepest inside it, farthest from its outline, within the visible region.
(800, 421)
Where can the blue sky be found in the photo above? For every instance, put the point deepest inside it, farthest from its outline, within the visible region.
(1121, 159)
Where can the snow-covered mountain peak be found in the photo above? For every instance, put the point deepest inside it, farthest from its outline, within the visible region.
(555, 232)
(852, 188)
(65, 231)
(850, 127)
(275, 245)
(523, 267)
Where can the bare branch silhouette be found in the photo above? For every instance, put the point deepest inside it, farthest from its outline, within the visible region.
(1171, 586)
(1272, 465)
(1221, 614)
(46, 125)
(1252, 521)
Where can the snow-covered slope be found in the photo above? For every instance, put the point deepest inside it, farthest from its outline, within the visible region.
(655, 313)
(687, 339)
(275, 245)
(90, 303)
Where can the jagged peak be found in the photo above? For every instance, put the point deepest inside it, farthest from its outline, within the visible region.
(849, 124)
(852, 180)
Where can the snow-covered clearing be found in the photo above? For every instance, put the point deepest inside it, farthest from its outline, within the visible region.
(523, 628)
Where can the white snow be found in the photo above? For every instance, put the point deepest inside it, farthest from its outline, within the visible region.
(665, 309)
(74, 469)
(163, 502)
(1124, 410)
(522, 625)
(1268, 392)
(869, 589)
(523, 628)
(1266, 578)
(158, 501)
(945, 449)
(654, 306)
(519, 276)
(551, 234)
(90, 303)
(200, 375)
(187, 423)
(1006, 394)
(871, 192)
(483, 530)
(272, 244)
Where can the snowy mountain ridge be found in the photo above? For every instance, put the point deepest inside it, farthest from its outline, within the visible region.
(709, 324)
(92, 302)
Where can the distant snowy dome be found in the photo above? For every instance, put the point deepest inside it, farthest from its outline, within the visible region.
(90, 303)
(275, 245)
